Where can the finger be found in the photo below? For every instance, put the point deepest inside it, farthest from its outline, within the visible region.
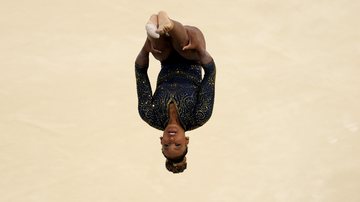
(155, 50)
(189, 46)
(186, 47)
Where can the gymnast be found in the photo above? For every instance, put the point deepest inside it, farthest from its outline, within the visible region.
(183, 100)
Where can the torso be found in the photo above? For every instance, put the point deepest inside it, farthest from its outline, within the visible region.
(176, 92)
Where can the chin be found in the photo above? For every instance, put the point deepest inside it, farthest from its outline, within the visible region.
(173, 129)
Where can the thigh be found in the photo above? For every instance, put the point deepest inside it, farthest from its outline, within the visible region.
(197, 50)
(196, 37)
(162, 44)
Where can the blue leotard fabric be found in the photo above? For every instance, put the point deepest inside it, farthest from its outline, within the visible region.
(179, 81)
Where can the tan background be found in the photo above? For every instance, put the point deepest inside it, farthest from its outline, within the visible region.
(286, 123)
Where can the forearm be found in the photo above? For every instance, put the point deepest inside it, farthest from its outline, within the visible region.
(205, 58)
(142, 58)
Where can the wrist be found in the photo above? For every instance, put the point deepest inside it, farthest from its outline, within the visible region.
(142, 60)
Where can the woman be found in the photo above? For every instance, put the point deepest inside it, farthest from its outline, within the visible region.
(183, 100)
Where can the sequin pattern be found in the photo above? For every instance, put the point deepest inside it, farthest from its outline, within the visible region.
(179, 83)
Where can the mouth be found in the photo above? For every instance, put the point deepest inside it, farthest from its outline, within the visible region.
(172, 131)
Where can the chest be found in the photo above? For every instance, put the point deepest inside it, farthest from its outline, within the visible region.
(183, 97)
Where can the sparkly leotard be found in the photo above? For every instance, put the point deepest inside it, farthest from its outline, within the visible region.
(179, 81)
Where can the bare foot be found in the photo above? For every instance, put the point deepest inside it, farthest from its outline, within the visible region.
(151, 26)
(151, 30)
(165, 24)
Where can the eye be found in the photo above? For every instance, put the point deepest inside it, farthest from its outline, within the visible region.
(178, 145)
(166, 145)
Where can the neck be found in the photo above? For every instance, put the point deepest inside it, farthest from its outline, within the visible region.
(173, 115)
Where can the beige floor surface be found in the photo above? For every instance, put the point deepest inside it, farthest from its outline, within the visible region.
(286, 122)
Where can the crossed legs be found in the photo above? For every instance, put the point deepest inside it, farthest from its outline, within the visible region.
(188, 41)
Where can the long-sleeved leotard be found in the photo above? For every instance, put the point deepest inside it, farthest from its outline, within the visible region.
(179, 81)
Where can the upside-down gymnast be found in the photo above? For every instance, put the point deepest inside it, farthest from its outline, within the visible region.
(183, 100)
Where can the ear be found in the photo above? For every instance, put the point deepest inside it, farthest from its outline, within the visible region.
(161, 138)
(187, 140)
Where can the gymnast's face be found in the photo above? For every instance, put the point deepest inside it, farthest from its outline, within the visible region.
(174, 141)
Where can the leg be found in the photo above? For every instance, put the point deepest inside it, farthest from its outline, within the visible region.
(159, 46)
(196, 44)
(188, 41)
(175, 29)
(151, 26)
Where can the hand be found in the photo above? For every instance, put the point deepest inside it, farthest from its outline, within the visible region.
(148, 46)
(196, 39)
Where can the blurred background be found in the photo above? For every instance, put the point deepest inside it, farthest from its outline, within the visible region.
(285, 127)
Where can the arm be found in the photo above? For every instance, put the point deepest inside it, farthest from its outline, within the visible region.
(144, 92)
(205, 102)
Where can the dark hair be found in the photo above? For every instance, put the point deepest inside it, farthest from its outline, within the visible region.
(178, 164)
